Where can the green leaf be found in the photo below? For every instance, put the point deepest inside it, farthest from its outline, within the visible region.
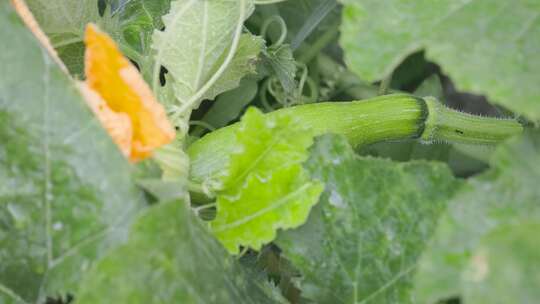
(279, 61)
(362, 242)
(265, 187)
(162, 189)
(72, 55)
(66, 195)
(64, 22)
(244, 63)
(308, 19)
(138, 21)
(229, 105)
(507, 194)
(505, 266)
(170, 258)
(486, 47)
(196, 48)
(131, 25)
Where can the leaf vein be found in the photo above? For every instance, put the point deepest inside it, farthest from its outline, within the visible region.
(204, 41)
(388, 284)
(282, 201)
(10, 293)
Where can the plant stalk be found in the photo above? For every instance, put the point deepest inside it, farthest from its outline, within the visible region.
(447, 125)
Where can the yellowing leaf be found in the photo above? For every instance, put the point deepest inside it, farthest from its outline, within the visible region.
(124, 97)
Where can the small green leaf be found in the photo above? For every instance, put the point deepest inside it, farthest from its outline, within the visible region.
(279, 61)
(66, 194)
(171, 258)
(361, 243)
(265, 187)
(486, 47)
(507, 194)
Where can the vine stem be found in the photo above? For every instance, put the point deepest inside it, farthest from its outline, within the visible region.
(282, 27)
(447, 125)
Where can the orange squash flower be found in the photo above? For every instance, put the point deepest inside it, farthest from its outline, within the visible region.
(121, 99)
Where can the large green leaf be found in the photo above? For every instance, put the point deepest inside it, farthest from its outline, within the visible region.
(66, 195)
(486, 47)
(505, 266)
(362, 242)
(508, 194)
(264, 187)
(171, 258)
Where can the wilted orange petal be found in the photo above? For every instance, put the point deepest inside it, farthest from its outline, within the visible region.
(119, 83)
(31, 23)
(118, 125)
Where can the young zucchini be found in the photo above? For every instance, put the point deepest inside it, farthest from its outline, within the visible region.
(389, 117)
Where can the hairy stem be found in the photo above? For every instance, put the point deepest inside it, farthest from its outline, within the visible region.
(447, 125)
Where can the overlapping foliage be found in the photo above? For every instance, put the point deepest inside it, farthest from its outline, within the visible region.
(291, 218)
